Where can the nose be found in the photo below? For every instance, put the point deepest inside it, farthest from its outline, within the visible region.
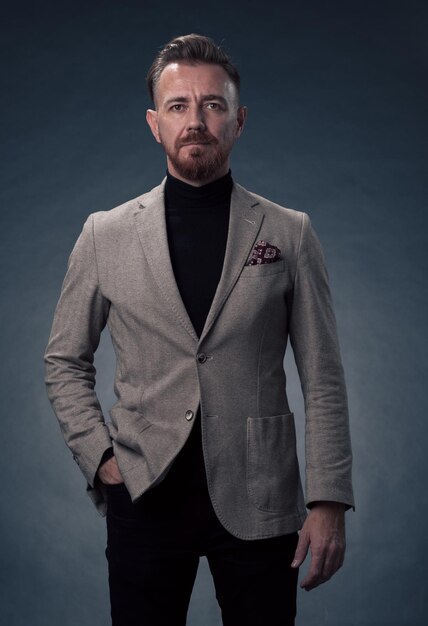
(195, 119)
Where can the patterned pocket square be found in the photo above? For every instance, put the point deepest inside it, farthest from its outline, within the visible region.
(264, 252)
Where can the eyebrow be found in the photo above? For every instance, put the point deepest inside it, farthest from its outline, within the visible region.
(210, 96)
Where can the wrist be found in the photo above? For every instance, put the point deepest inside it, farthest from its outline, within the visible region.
(327, 504)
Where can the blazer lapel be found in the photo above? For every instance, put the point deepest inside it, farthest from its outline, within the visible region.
(246, 217)
(151, 226)
(245, 221)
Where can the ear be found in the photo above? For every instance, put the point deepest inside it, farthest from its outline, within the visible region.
(241, 116)
(152, 121)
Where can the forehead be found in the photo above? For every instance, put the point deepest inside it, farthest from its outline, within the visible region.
(183, 79)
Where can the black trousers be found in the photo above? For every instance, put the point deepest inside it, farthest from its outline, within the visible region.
(153, 550)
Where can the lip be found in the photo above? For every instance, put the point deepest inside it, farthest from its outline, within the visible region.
(196, 143)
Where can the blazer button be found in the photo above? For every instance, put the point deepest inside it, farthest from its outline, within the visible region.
(202, 357)
(189, 415)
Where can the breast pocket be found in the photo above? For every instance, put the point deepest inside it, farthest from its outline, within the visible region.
(273, 478)
(263, 269)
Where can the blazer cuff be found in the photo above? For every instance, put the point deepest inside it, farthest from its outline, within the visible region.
(88, 452)
(309, 505)
(336, 490)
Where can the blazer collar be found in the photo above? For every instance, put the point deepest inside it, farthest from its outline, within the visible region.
(245, 220)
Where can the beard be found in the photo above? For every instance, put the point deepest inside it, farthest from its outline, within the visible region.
(200, 163)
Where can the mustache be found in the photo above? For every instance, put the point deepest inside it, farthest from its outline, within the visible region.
(196, 137)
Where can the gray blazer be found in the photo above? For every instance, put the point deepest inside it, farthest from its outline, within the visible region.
(120, 274)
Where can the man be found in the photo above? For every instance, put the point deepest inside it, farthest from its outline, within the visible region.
(200, 283)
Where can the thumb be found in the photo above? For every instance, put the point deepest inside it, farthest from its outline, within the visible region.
(301, 550)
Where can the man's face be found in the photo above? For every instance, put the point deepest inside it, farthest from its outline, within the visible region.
(197, 120)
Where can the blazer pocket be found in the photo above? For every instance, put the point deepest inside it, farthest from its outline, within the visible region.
(273, 478)
(128, 426)
(127, 432)
(263, 269)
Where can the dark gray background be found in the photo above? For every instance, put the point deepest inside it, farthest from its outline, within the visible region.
(337, 96)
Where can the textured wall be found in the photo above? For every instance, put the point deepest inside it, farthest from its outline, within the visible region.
(337, 126)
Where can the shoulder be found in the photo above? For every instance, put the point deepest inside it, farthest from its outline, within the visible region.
(273, 207)
(119, 217)
(288, 217)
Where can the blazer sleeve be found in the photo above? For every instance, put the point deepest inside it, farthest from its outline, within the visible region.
(313, 336)
(80, 316)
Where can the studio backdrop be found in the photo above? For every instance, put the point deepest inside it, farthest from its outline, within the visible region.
(336, 95)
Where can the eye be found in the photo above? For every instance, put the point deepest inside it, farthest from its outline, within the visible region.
(177, 107)
(213, 106)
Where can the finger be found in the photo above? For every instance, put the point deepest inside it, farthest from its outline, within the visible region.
(301, 550)
(333, 562)
(314, 575)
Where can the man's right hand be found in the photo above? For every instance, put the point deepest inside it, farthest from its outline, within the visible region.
(109, 473)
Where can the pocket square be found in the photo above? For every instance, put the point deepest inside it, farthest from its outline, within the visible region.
(264, 252)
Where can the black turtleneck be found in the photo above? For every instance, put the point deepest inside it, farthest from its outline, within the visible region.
(197, 221)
